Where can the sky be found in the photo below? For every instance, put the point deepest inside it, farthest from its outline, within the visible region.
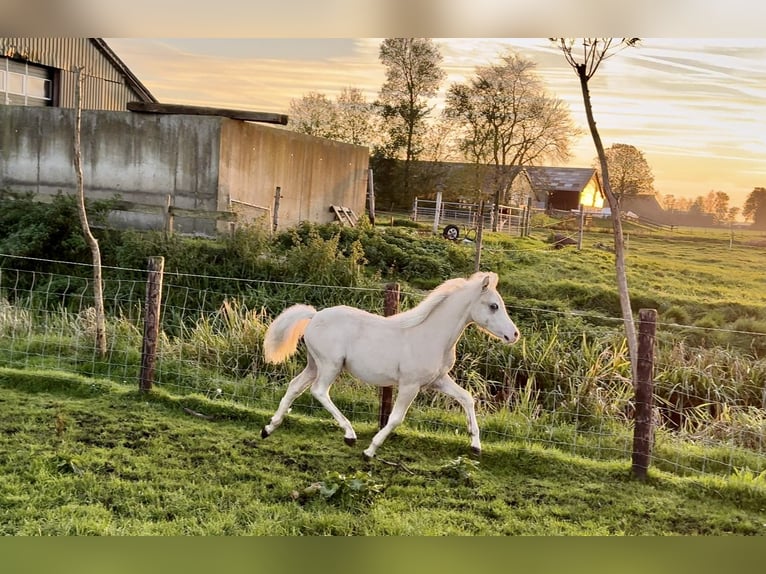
(695, 107)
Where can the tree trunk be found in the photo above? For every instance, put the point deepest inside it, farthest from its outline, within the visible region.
(98, 293)
(619, 243)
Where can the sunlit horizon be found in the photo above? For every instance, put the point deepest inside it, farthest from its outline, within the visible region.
(696, 108)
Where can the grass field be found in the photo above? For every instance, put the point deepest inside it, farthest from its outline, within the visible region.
(91, 457)
(87, 455)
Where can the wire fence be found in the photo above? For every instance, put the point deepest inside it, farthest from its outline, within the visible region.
(565, 384)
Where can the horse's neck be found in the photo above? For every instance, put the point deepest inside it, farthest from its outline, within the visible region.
(448, 320)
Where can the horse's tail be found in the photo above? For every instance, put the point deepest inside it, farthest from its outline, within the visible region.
(282, 336)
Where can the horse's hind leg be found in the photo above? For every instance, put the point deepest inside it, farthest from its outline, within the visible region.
(404, 397)
(294, 390)
(321, 392)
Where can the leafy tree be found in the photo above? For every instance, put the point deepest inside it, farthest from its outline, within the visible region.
(717, 204)
(413, 75)
(509, 120)
(629, 172)
(314, 114)
(355, 118)
(755, 208)
(585, 62)
(350, 118)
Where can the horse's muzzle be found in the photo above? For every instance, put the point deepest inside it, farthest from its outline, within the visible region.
(515, 336)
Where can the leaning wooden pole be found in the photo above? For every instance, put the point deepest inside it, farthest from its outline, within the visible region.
(98, 287)
(151, 323)
(643, 432)
(386, 393)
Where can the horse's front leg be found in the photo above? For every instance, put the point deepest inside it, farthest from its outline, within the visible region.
(449, 387)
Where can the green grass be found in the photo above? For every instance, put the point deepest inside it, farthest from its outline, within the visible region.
(91, 457)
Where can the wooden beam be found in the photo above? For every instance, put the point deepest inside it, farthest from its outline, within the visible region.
(244, 115)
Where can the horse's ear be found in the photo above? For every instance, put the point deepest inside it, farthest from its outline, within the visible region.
(485, 282)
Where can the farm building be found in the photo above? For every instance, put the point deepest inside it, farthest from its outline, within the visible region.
(562, 188)
(39, 72)
(182, 168)
(550, 188)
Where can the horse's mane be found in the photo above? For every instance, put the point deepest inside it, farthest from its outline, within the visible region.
(418, 314)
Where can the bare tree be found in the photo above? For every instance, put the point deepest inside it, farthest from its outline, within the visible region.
(98, 291)
(591, 53)
(629, 172)
(413, 75)
(510, 120)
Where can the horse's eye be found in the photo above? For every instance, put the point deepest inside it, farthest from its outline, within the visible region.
(493, 307)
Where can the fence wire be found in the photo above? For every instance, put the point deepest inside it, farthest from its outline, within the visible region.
(560, 386)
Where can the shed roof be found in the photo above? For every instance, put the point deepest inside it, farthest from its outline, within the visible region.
(559, 178)
(130, 77)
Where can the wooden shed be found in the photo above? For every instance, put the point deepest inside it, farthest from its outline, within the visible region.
(564, 188)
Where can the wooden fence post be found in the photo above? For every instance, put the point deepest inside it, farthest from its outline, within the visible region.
(169, 218)
(528, 217)
(275, 214)
(371, 196)
(151, 322)
(437, 212)
(643, 435)
(386, 393)
(479, 233)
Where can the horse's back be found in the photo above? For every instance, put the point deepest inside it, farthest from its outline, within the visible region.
(365, 343)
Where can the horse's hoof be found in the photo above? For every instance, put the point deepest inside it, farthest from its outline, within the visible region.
(475, 452)
(367, 457)
(264, 433)
(349, 441)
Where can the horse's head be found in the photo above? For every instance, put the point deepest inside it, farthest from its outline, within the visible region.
(488, 310)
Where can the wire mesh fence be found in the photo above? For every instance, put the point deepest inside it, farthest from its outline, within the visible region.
(565, 385)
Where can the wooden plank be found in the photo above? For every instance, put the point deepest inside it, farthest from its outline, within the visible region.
(134, 207)
(351, 216)
(345, 215)
(248, 116)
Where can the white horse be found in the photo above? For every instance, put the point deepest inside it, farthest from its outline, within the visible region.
(411, 350)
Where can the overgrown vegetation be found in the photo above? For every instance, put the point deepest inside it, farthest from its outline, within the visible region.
(565, 385)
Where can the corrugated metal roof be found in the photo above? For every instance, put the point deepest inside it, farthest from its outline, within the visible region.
(110, 83)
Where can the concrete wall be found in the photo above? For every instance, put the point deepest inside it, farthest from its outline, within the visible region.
(312, 173)
(206, 164)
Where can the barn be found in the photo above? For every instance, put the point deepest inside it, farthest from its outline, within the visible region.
(187, 169)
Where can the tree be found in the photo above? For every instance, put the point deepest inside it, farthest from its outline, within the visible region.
(508, 119)
(717, 204)
(413, 75)
(355, 118)
(629, 172)
(313, 114)
(594, 52)
(755, 208)
(98, 285)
